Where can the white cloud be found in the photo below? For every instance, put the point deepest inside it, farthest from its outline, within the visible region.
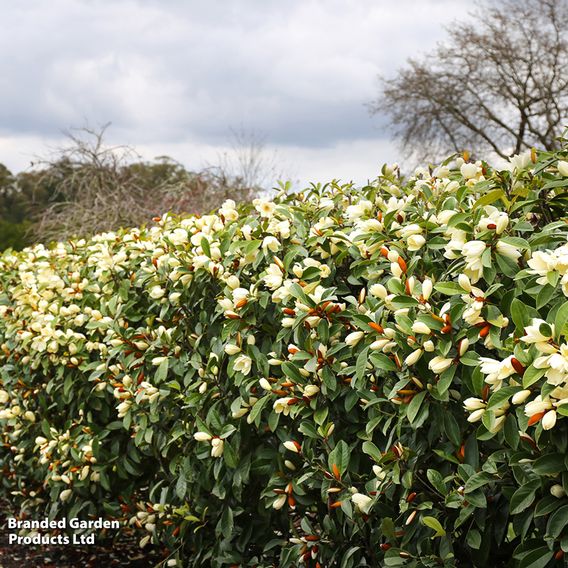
(176, 76)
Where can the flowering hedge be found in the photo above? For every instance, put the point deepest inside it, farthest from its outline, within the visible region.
(339, 377)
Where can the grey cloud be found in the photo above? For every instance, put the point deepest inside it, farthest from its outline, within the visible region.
(300, 71)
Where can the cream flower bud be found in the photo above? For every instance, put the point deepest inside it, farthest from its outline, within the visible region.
(421, 327)
(279, 502)
(233, 282)
(427, 288)
(311, 390)
(396, 269)
(429, 346)
(265, 384)
(353, 338)
(562, 168)
(557, 490)
(464, 282)
(292, 446)
(202, 436)
(473, 403)
(476, 415)
(521, 396)
(439, 364)
(65, 495)
(549, 420)
(413, 357)
(415, 242)
(464, 344)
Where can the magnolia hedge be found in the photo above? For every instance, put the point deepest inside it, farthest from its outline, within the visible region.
(344, 376)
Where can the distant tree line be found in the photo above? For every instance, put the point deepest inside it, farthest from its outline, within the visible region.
(89, 187)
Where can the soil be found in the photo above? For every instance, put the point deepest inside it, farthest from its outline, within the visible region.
(123, 551)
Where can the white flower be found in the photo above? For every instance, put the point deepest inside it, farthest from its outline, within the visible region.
(496, 371)
(415, 242)
(217, 446)
(533, 334)
(243, 363)
(562, 168)
(265, 208)
(362, 502)
(156, 292)
(468, 171)
(358, 210)
(379, 291)
(520, 161)
(282, 405)
(270, 243)
(537, 406)
(353, 338)
(439, 364)
(311, 390)
(273, 278)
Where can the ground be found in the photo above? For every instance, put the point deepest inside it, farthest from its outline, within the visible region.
(123, 552)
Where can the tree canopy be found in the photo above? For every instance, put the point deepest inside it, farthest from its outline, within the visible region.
(497, 84)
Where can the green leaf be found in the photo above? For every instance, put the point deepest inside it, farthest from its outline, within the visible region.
(538, 558)
(404, 302)
(449, 288)
(550, 464)
(434, 524)
(381, 361)
(437, 481)
(558, 520)
(532, 375)
(524, 497)
(489, 198)
(371, 450)
(414, 406)
(560, 321)
(161, 371)
(500, 396)
(181, 486)
(478, 480)
(340, 456)
(520, 315)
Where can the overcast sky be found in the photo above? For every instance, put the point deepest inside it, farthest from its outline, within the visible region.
(175, 76)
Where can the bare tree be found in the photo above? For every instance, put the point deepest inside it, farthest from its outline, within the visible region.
(93, 187)
(498, 84)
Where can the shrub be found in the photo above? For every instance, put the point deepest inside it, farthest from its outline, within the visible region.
(341, 377)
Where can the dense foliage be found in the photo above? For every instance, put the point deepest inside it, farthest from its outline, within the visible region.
(339, 377)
